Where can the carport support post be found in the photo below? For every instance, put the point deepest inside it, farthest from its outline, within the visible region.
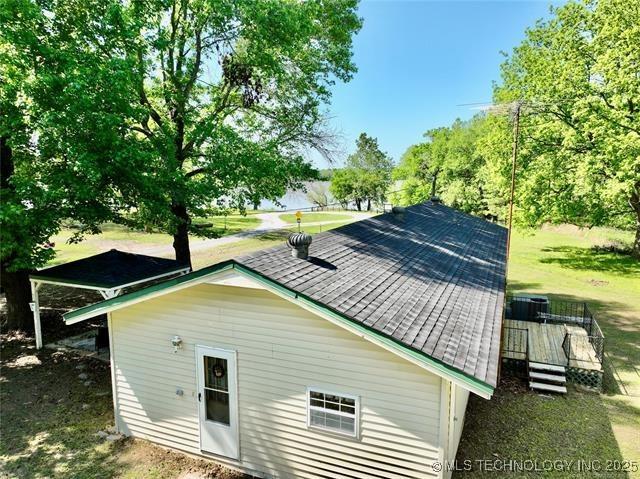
(35, 307)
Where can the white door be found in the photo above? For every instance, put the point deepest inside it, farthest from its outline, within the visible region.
(218, 401)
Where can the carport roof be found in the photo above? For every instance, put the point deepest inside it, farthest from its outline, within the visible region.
(110, 270)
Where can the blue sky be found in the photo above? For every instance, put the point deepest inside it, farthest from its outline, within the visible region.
(419, 60)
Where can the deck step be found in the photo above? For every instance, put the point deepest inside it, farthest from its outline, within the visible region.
(554, 378)
(547, 387)
(547, 367)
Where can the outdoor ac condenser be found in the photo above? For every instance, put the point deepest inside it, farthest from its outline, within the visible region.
(527, 307)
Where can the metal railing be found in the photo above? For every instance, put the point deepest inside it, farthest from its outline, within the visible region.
(596, 338)
(543, 310)
(566, 346)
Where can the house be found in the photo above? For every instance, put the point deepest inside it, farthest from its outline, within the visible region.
(354, 361)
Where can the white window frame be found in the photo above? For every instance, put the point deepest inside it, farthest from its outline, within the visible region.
(355, 416)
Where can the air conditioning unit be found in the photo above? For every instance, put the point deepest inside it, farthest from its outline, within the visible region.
(529, 307)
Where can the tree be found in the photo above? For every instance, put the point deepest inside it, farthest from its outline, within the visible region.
(160, 106)
(450, 164)
(256, 186)
(208, 100)
(229, 93)
(367, 175)
(577, 76)
(57, 157)
(318, 194)
(343, 187)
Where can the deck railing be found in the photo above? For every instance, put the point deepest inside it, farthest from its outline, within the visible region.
(539, 309)
(596, 338)
(543, 310)
(566, 346)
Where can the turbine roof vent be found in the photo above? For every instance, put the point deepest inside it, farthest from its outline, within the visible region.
(299, 244)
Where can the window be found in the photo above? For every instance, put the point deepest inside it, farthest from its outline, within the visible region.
(334, 412)
(216, 390)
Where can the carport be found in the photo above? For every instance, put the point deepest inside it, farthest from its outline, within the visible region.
(109, 273)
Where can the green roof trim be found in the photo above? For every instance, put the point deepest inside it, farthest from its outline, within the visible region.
(125, 298)
(108, 304)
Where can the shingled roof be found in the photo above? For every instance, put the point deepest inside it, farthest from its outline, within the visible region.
(432, 279)
(111, 269)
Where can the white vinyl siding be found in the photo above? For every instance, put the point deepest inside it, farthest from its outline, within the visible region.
(282, 350)
(460, 398)
(460, 408)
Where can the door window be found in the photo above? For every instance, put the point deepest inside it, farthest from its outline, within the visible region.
(216, 389)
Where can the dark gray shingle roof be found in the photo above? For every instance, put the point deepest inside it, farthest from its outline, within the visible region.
(432, 279)
(109, 269)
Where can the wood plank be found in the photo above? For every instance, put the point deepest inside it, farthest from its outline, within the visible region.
(547, 367)
(547, 387)
(545, 344)
(547, 377)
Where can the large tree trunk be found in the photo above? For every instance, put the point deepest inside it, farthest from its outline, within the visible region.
(181, 236)
(17, 289)
(15, 284)
(634, 201)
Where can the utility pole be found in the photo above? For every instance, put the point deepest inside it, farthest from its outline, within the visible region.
(514, 158)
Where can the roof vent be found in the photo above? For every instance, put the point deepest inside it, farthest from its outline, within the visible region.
(435, 199)
(398, 210)
(299, 244)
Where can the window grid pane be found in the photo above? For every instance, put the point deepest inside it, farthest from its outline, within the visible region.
(332, 412)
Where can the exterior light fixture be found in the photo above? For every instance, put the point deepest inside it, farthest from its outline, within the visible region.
(176, 342)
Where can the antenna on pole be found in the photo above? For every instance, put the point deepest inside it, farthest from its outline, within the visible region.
(514, 160)
(514, 108)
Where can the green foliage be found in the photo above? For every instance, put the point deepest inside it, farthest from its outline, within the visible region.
(159, 109)
(462, 164)
(59, 153)
(366, 177)
(237, 130)
(343, 185)
(576, 75)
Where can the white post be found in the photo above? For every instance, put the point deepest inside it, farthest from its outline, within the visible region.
(35, 307)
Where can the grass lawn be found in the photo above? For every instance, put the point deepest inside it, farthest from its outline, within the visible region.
(117, 236)
(207, 257)
(520, 425)
(315, 217)
(216, 254)
(314, 229)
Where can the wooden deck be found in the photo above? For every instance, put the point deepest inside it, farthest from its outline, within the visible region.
(545, 344)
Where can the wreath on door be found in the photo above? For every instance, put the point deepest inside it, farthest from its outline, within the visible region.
(218, 371)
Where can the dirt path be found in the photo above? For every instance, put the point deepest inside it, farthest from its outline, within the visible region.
(269, 222)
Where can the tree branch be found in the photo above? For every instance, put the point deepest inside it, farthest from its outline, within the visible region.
(195, 172)
(143, 95)
(142, 130)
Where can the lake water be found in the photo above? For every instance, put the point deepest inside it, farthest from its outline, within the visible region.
(295, 199)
